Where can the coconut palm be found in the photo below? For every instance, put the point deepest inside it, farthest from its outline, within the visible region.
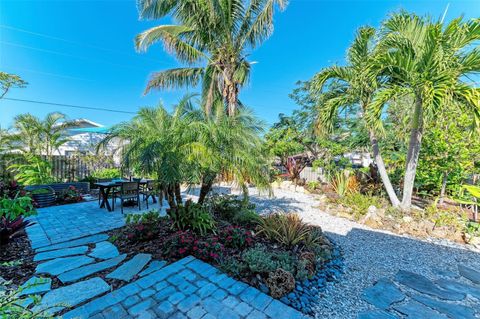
(432, 62)
(214, 38)
(354, 84)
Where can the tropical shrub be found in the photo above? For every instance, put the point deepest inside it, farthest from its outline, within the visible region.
(12, 214)
(343, 183)
(72, 194)
(185, 243)
(191, 216)
(236, 237)
(9, 189)
(261, 260)
(107, 173)
(312, 185)
(143, 227)
(360, 203)
(246, 217)
(35, 171)
(285, 229)
(227, 206)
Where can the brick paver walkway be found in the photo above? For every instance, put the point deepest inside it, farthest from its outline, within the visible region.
(71, 246)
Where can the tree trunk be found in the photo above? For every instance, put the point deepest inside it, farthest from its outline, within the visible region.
(178, 194)
(245, 194)
(207, 182)
(383, 171)
(415, 143)
(444, 187)
(171, 197)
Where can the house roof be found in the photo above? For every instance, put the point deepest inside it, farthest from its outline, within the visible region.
(98, 130)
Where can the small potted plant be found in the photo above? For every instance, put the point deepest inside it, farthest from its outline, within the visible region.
(44, 196)
(72, 195)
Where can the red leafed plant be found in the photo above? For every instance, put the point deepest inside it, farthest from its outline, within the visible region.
(184, 243)
(236, 237)
(10, 229)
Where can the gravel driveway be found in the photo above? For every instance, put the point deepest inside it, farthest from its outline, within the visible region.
(369, 254)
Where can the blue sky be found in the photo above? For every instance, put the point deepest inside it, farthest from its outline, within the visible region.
(81, 53)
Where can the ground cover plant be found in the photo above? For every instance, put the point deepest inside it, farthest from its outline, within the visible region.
(271, 252)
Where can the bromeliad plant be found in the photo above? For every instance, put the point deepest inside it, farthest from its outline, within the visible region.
(12, 217)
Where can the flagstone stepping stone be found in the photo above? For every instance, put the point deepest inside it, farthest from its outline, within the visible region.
(451, 310)
(469, 273)
(76, 242)
(69, 296)
(376, 314)
(85, 271)
(445, 273)
(459, 287)
(424, 285)
(58, 266)
(104, 250)
(130, 268)
(153, 266)
(415, 310)
(60, 253)
(36, 285)
(383, 294)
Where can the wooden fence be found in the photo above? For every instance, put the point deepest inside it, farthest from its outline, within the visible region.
(64, 168)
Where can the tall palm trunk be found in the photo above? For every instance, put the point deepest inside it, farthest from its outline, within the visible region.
(171, 196)
(413, 153)
(383, 171)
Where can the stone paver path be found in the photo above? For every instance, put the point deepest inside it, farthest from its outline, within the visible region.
(188, 288)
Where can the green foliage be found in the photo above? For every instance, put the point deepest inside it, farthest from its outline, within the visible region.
(287, 229)
(312, 185)
(143, 227)
(261, 260)
(472, 228)
(344, 183)
(192, 216)
(360, 203)
(14, 208)
(10, 301)
(232, 209)
(233, 266)
(107, 173)
(35, 171)
(236, 237)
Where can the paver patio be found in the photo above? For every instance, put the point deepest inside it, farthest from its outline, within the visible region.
(188, 288)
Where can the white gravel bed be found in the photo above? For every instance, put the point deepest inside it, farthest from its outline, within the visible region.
(369, 254)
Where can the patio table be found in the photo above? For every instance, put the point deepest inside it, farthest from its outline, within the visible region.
(106, 187)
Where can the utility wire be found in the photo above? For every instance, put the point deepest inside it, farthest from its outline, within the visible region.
(69, 105)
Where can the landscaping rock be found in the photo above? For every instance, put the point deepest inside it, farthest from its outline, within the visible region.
(36, 285)
(383, 294)
(132, 267)
(60, 253)
(376, 314)
(459, 287)
(72, 295)
(451, 310)
(58, 266)
(415, 310)
(88, 270)
(424, 285)
(104, 250)
(469, 273)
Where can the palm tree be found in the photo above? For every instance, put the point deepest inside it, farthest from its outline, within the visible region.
(432, 62)
(354, 84)
(40, 137)
(213, 37)
(193, 147)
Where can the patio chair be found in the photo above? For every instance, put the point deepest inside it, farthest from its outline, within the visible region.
(148, 190)
(128, 191)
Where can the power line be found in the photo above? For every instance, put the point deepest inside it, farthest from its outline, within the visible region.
(69, 105)
(47, 36)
